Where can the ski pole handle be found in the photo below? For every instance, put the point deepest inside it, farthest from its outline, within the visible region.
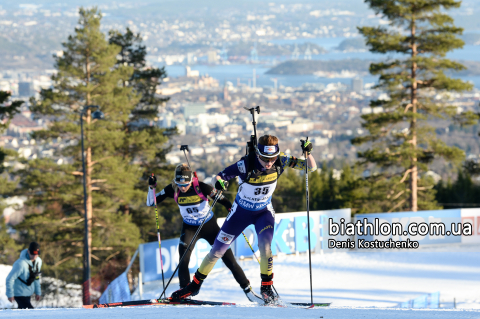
(302, 142)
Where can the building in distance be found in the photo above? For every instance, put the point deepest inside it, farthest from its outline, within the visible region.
(357, 85)
(193, 109)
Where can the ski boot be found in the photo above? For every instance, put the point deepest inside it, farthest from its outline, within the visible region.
(192, 289)
(251, 295)
(269, 297)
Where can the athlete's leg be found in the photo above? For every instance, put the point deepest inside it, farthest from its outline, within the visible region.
(264, 226)
(209, 235)
(185, 238)
(235, 223)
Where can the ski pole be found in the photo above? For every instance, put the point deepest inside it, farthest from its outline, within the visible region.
(308, 218)
(249, 245)
(185, 148)
(158, 234)
(191, 242)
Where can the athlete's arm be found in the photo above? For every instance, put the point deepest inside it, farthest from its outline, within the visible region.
(211, 192)
(232, 171)
(296, 163)
(311, 163)
(164, 193)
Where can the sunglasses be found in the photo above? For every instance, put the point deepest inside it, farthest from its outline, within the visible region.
(182, 185)
(268, 159)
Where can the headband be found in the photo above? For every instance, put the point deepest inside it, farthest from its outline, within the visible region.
(183, 177)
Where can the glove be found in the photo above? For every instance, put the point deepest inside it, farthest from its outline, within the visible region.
(306, 146)
(221, 185)
(152, 181)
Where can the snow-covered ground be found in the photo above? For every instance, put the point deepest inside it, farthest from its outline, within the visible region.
(4, 270)
(58, 293)
(359, 285)
(229, 312)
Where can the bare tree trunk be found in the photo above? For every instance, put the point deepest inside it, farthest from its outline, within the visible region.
(413, 125)
(129, 275)
(88, 178)
(89, 186)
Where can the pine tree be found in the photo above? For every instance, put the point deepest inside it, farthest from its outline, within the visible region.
(461, 193)
(145, 79)
(145, 142)
(8, 248)
(8, 109)
(401, 142)
(88, 74)
(290, 189)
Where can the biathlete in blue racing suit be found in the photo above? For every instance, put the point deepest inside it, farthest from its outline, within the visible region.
(252, 206)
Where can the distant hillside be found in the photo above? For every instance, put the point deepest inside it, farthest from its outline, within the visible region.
(270, 49)
(352, 44)
(18, 55)
(471, 38)
(302, 67)
(356, 66)
(473, 68)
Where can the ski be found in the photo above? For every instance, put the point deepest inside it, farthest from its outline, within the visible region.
(159, 302)
(192, 302)
(307, 304)
(298, 305)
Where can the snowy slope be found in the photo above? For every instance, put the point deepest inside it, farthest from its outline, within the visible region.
(233, 312)
(69, 295)
(4, 271)
(359, 285)
(364, 279)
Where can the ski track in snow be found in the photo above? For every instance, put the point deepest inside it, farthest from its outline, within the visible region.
(230, 312)
(365, 284)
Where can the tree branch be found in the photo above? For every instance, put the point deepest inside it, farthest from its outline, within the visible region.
(424, 188)
(112, 255)
(398, 195)
(98, 181)
(62, 261)
(409, 105)
(399, 204)
(408, 171)
(96, 162)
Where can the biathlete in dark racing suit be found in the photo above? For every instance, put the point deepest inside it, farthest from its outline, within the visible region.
(258, 174)
(191, 196)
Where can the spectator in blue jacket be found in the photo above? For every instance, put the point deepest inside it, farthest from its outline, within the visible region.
(23, 279)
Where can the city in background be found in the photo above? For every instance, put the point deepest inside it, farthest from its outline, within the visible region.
(304, 62)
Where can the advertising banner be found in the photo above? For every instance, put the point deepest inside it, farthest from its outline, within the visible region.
(291, 233)
(117, 291)
(151, 267)
(424, 227)
(472, 216)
